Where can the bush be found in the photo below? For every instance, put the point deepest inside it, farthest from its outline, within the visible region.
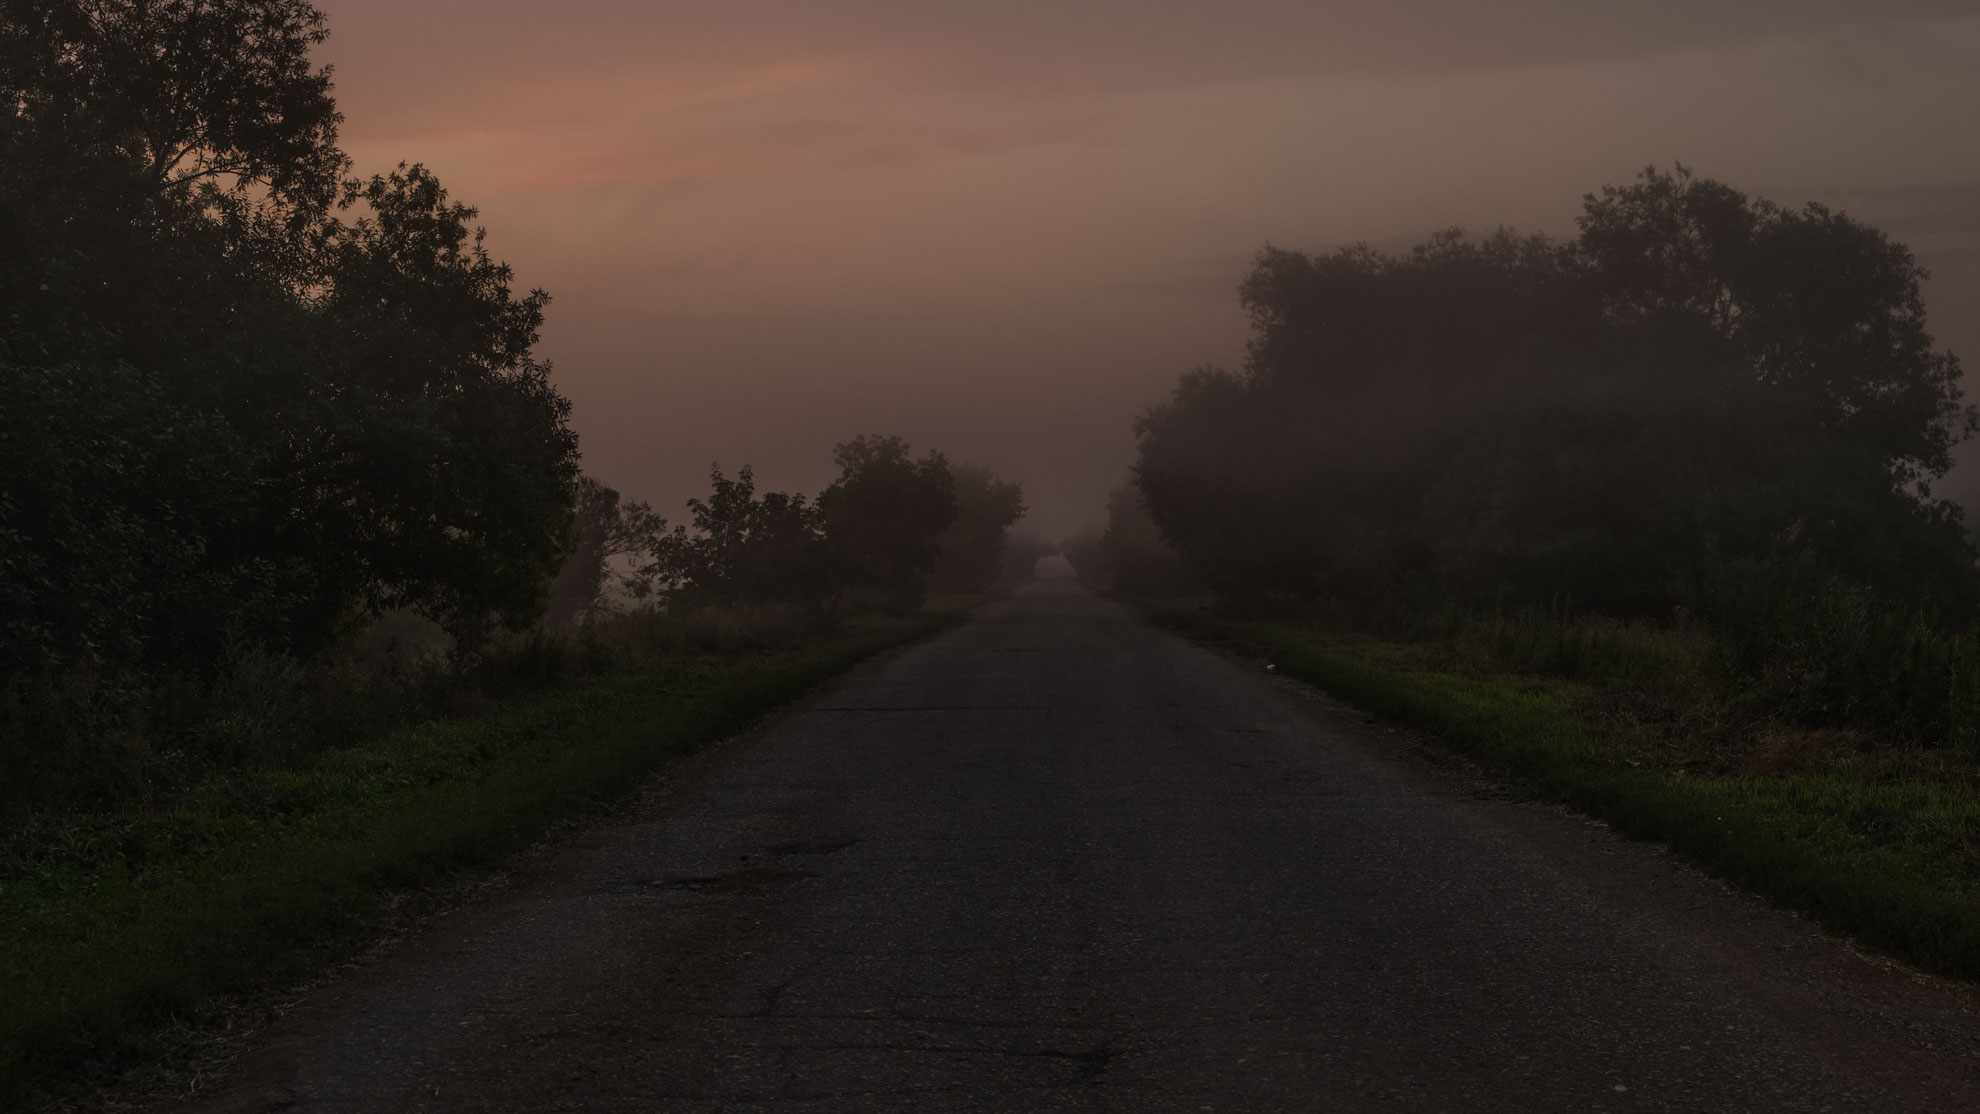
(1705, 411)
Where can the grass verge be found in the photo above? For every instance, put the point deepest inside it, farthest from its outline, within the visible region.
(1890, 860)
(262, 877)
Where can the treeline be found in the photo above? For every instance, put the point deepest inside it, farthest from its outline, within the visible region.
(251, 401)
(1127, 553)
(1702, 409)
(879, 536)
(245, 395)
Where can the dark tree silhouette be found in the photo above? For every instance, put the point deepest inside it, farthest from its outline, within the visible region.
(1807, 301)
(184, 96)
(748, 549)
(1697, 383)
(248, 397)
(885, 514)
(1137, 560)
(606, 531)
(1022, 552)
(972, 548)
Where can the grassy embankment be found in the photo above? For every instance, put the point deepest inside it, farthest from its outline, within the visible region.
(261, 877)
(1876, 840)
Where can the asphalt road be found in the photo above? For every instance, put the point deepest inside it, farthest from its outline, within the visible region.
(1058, 860)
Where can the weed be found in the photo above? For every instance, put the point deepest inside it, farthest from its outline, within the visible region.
(258, 874)
(1878, 840)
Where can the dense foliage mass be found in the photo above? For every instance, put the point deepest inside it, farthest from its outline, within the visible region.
(1702, 407)
(248, 397)
(261, 418)
(880, 534)
(976, 545)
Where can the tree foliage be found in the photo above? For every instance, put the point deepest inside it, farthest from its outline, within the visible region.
(973, 547)
(1698, 381)
(1022, 552)
(884, 516)
(247, 394)
(753, 549)
(181, 96)
(613, 542)
(1131, 548)
(875, 531)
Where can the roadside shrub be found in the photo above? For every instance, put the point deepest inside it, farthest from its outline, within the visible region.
(1704, 416)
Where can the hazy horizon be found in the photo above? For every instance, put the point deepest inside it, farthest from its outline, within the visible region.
(1001, 230)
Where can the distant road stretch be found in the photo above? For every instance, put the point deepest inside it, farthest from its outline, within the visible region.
(1059, 860)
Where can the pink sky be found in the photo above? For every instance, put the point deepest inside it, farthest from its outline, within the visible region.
(1001, 229)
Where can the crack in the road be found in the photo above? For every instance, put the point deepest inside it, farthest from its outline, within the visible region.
(1091, 1062)
(745, 881)
(813, 846)
(939, 708)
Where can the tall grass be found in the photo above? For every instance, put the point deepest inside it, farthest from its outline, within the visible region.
(74, 741)
(1810, 653)
(1888, 852)
(259, 873)
(262, 873)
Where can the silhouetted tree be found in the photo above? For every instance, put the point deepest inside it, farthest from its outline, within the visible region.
(1137, 558)
(885, 514)
(1808, 301)
(972, 548)
(1698, 382)
(1022, 552)
(208, 100)
(1082, 551)
(606, 531)
(747, 549)
(274, 398)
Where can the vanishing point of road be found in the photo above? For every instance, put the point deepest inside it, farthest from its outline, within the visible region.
(1057, 860)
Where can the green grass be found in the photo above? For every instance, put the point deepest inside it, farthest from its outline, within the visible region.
(262, 878)
(1892, 861)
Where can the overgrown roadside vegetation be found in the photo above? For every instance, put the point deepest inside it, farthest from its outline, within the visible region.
(1878, 841)
(259, 876)
(1643, 518)
(305, 598)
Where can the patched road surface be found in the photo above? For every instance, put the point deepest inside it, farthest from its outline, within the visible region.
(1057, 860)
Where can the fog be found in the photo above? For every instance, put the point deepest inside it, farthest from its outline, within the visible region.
(1002, 229)
(409, 475)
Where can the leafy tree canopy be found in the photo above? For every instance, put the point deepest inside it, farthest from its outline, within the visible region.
(1697, 380)
(277, 397)
(885, 514)
(973, 547)
(754, 549)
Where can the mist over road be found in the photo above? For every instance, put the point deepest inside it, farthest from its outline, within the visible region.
(1056, 859)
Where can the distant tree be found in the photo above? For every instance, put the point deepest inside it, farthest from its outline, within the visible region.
(1022, 552)
(751, 549)
(611, 541)
(972, 548)
(1699, 381)
(1137, 558)
(885, 514)
(1082, 551)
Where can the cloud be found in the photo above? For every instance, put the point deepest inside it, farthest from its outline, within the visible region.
(1091, 43)
(525, 96)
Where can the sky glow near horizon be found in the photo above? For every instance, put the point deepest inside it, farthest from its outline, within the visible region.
(1002, 229)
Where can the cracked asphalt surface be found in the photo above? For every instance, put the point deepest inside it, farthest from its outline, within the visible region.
(1057, 860)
